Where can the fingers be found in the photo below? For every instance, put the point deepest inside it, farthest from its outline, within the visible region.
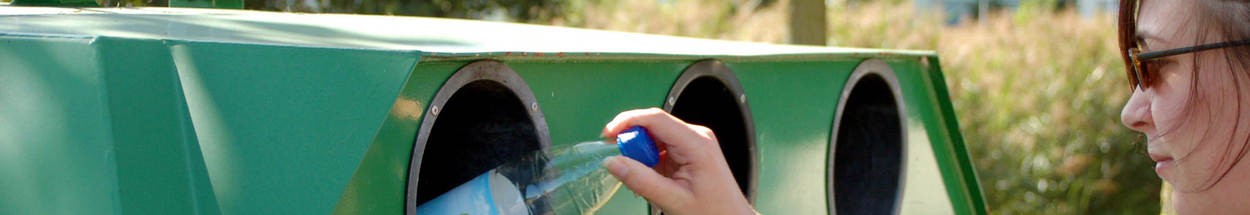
(644, 181)
(705, 132)
(650, 117)
(662, 126)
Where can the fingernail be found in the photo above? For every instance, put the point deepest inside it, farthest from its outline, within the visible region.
(614, 166)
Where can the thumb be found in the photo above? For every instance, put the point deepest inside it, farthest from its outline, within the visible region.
(646, 182)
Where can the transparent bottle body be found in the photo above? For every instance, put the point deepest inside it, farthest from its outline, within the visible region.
(566, 179)
(562, 180)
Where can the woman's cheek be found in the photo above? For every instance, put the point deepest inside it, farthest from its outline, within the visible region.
(1170, 98)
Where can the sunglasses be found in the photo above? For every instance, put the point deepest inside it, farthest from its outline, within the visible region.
(1146, 64)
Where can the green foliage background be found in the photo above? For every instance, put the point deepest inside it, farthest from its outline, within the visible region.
(1037, 90)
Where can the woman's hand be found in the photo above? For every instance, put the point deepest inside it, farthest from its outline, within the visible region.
(692, 176)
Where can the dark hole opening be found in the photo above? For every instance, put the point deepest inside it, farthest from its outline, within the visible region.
(481, 126)
(708, 102)
(869, 150)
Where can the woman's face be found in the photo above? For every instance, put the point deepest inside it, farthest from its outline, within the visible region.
(1190, 116)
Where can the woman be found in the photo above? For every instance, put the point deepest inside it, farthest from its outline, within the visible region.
(1189, 69)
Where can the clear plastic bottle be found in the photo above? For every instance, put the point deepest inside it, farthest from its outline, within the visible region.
(563, 180)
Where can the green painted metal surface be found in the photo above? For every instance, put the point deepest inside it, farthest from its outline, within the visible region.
(145, 107)
(793, 147)
(157, 111)
(55, 150)
(270, 118)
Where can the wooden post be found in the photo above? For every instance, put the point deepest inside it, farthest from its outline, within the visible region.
(807, 22)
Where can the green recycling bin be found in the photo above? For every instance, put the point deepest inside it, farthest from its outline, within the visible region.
(181, 111)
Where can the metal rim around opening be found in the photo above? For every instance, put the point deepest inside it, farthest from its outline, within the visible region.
(883, 70)
(476, 71)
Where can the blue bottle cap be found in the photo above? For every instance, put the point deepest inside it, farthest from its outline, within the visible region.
(636, 143)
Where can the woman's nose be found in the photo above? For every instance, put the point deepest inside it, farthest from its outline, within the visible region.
(1136, 114)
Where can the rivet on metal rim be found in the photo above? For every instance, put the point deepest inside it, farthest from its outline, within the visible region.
(742, 98)
(672, 100)
(534, 106)
(434, 110)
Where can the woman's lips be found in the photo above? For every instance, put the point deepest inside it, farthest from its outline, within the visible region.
(1162, 163)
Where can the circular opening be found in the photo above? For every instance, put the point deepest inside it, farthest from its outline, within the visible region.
(868, 158)
(709, 103)
(708, 94)
(478, 120)
(480, 127)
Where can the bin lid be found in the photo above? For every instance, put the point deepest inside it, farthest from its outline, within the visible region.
(433, 36)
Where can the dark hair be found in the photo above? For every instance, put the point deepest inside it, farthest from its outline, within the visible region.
(1230, 19)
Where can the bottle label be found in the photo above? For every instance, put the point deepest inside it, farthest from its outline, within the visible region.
(487, 194)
